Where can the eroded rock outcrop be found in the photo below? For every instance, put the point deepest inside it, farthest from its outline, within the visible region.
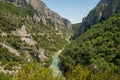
(24, 36)
(40, 55)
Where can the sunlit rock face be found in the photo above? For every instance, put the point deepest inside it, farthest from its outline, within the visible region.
(44, 13)
(102, 11)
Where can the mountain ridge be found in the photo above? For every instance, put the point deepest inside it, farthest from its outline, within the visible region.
(101, 12)
(44, 13)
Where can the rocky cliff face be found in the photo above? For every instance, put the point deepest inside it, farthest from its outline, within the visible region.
(44, 13)
(102, 11)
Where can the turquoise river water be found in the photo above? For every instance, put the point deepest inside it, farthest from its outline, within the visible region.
(54, 66)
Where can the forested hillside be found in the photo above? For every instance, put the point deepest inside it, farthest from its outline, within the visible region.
(98, 48)
(75, 27)
(23, 39)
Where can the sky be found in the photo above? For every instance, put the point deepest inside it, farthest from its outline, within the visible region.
(73, 10)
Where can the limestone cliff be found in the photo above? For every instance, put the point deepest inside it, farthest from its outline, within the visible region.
(102, 11)
(43, 13)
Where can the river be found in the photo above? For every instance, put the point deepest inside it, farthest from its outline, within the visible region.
(54, 66)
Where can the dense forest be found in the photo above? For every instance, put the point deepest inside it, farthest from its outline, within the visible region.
(98, 49)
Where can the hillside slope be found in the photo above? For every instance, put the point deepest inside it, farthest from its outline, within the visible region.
(23, 38)
(98, 47)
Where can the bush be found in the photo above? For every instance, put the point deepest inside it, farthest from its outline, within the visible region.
(5, 76)
(34, 71)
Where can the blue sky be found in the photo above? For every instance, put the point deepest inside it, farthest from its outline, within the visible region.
(74, 10)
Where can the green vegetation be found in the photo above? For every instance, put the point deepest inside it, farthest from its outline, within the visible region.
(12, 18)
(99, 46)
(13, 41)
(10, 65)
(5, 76)
(80, 73)
(34, 71)
(75, 27)
(95, 55)
(6, 56)
(46, 37)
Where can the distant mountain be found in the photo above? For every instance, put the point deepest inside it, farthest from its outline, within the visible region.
(101, 12)
(75, 27)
